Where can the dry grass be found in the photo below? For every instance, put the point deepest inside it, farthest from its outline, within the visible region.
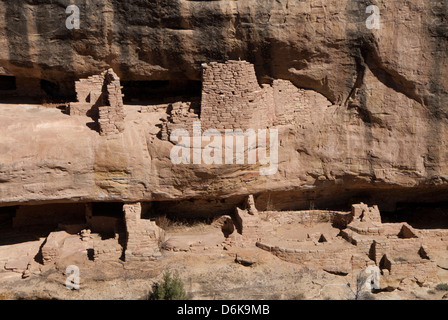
(6, 296)
(191, 225)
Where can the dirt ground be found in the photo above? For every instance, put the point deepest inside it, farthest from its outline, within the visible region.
(207, 264)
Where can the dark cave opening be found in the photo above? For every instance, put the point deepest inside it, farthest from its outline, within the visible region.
(7, 83)
(107, 209)
(33, 222)
(422, 208)
(30, 222)
(24, 90)
(6, 216)
(106, 219)
(56, 92)
(419, 215)
(49, 215)
(160, 91)
(193, 209)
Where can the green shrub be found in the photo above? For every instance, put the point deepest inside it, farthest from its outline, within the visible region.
(442, 287)
(172, 288)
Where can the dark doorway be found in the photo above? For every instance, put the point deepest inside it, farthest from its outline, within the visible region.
(107, 209)
(107, 219)
(51, 89)
(6, 216)
(8, 83)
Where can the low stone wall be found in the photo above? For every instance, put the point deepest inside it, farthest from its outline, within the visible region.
(422, 270)
(310, 216)
(82, 109)
(327, 259)
(368, 230)
(441, 234)
(100, 97)
(152, 108)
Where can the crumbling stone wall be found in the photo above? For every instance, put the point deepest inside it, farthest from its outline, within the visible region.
(400, 251)
(247, 224)
(51, 248)
(100, 97)
(182, 116)
(143, 236)
(89, 95)
(292, 104)
(111, 114)
(232, 97)
(327, 259)
(364, 213)
(288, 100)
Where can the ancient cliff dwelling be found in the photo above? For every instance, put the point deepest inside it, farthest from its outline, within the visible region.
(356, 125)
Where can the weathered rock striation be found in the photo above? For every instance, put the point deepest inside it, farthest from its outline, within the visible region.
(356, 117)
(372, 126)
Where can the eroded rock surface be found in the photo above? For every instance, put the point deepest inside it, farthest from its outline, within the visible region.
(383, 131)
(360, 115)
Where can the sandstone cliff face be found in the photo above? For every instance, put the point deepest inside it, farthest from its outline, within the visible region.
(382, 137)
(322, 45)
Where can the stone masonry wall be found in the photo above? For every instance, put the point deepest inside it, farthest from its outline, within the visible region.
(143, 236)
(232, 97)
(182, 116)
(89, 93)
(294, 105)
(100, 97)
(111, 115)
(90, 89)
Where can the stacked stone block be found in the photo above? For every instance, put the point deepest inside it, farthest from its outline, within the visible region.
(182, 116)
(288, 101)
(89, 94)
(143, 236)
(111, 115)
(294, 105)
(232, 97)
(364, 213)
(90, 89)
(100, 97)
